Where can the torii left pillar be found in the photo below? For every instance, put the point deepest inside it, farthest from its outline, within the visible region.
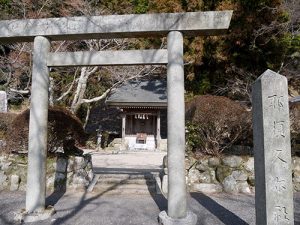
(37, 152)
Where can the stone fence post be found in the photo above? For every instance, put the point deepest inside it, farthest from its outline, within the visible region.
(3, 101)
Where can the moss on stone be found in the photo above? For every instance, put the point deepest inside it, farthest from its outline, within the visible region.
(222, 172)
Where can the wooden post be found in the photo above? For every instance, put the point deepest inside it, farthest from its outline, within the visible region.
(158, 136)
(123, 126)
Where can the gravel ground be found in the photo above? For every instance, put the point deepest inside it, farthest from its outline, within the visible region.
(84, 209)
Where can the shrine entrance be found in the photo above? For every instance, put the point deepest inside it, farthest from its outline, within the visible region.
(172, 25)
(141, 103)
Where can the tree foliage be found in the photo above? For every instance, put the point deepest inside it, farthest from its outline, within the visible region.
(263, 34)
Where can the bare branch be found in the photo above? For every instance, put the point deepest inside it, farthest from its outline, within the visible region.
(22, 92)
(68, 91)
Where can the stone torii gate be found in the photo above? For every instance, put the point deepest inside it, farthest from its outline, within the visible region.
(172, 25)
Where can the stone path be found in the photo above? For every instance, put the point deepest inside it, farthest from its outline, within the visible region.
(144, 160)
(81, 208)
(89, 209)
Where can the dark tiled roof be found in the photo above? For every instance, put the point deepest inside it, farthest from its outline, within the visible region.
(140, 93)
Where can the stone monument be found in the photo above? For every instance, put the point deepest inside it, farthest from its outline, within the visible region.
(272, 150)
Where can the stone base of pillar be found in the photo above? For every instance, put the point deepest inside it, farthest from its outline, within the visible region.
(25, 217)
(190, 219)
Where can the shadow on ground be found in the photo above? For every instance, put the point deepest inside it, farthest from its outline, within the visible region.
(224, 215)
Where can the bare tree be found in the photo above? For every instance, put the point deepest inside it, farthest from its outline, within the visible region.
(75, 92)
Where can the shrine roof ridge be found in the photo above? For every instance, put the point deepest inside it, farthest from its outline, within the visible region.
(140, 93)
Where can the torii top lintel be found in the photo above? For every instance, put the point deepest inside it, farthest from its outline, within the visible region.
(115, 26)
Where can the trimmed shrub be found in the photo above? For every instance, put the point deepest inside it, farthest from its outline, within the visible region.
(62, 125)
(6, 120)
(215, 123)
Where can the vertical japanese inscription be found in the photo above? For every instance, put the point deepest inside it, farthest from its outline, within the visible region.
(279, 129)
(272, 150)
(281, 215)
(276, 101)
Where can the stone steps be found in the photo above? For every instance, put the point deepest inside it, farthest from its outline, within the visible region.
(112, 180)
(125, 183)
(118, 188)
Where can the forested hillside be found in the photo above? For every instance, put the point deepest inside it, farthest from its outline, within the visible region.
(263, 34)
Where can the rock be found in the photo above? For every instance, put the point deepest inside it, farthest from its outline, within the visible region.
(165, 161)
(214, 162)
(230, 185)
(249, 165)
(164, 184)
(79, 162)
(70, 175)
(89, 166)
(239, 175)
(204, 177)
(71, 164)
(296, 176)
(296, 164)
(54, 165)
(50, 182)
(243, 187)
(222, 172)
(14, 182)
(2, 144)
(193, 176)
(81, 177)
(5, 166)
(90, 175)
(232, 161)
(61, 164)
(212, 173)
(2, 159)
(87, 157)
(206, 188)
(80, 180)
(3, 178)
(190, 162)
(203, 161)
(202, 167)
(251, 180)
(297, 186)
(22, 187)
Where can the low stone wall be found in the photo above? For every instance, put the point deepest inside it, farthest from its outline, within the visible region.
(231, 174)
(63, 172)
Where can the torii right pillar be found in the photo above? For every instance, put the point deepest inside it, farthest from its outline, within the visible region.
(177, 213)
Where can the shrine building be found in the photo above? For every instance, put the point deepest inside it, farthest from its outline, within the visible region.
(143, 105)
